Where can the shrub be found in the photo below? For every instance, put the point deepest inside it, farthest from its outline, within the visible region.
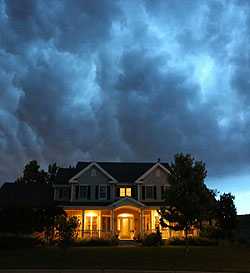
(14, 241)
(192, 241)
(96, 242)
(153, 239)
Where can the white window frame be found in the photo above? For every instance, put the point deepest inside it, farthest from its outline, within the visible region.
(99, 192)
(79, 194)
(151, 185)
(125, 191)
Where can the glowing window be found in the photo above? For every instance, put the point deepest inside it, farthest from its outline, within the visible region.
(128, 192)
(125, 192)
(122, 192)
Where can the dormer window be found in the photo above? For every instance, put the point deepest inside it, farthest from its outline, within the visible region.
(125, 192)
(93, 172)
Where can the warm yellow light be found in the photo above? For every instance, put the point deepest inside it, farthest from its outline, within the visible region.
(122, 192)
(90, 213)
(125, 215)
(128, 192)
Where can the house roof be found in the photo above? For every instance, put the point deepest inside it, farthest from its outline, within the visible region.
(26, 195)
(123, 172)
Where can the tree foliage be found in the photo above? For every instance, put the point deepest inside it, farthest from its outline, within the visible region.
(188, 200)
(66, 229)
(226, 215)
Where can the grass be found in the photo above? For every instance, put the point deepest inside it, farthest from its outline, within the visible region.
(234, 259)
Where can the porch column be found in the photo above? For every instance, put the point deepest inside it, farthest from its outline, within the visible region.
(142, 223)
(82, 227)
(112, 222)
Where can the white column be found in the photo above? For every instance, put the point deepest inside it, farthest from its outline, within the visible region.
(72, 192)
(139, 191)
(82, 224)
(113, 222)
(142, 223)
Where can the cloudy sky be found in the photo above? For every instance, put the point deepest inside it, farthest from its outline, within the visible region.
(127, 81)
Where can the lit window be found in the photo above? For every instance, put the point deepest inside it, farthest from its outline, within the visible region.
(106, 223)
(125, 192)
(128, 192)
(122, 192)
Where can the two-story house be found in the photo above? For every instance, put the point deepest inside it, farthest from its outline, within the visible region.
(113, 199)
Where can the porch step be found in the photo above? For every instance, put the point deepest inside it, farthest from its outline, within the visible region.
(128, 243)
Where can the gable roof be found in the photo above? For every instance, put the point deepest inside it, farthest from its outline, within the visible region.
(123, 172)
(22, 195)
(93, 164)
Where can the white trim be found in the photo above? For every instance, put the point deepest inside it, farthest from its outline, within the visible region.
(127, 201)
(150, 185)
(138, 180)
(99, 197)
(73, 179)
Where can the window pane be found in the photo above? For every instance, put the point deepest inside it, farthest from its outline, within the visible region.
(128, 191)
(122, 192)
(149, 192)
(84, 192)
(103, 192)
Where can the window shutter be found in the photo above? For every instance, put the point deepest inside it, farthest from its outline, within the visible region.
(77, 191)
(143, 192)
(162, 192)
(97, 192)
(89, 192)
(117, 192)
(155, 192)
(134, 192)
(108, 192)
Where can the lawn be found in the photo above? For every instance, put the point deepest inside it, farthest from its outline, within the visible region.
(235, 259)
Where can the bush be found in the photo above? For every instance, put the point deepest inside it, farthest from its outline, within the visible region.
(14, 241)
(96, 242)
(192, 241)
(153, 239)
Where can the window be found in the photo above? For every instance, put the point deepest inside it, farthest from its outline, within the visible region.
(125, 192)
(84, 192)
(149, 192)
(93, 172)
(106, 223)
(63, 193)
(102, 191)
(91, 223)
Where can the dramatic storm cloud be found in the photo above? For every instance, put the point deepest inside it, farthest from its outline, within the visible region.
(127, 81)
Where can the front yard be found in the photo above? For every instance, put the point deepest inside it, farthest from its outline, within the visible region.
(235, 259)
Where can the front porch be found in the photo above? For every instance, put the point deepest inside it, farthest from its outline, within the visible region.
(126, 219)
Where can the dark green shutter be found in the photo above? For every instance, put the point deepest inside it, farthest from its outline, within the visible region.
(89, 192)
(134, 191)
(117, 192)
(77, 191)
(108, 192)
(155, 192)
(162, 192)
(143, 192)
(97, 192)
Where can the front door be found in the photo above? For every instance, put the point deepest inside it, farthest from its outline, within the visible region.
(126, 228)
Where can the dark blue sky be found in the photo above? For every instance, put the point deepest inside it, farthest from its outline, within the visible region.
(127, 80)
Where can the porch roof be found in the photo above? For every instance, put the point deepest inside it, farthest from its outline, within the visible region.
(127, 201)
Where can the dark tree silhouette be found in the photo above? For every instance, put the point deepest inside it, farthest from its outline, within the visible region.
(226, 215)
(187, 195)
(33, 174)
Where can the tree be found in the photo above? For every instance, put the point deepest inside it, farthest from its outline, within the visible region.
(33, 174)
(185, 206)
(226, 215)
(52, 170)
(46, 221)
(66, 229)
